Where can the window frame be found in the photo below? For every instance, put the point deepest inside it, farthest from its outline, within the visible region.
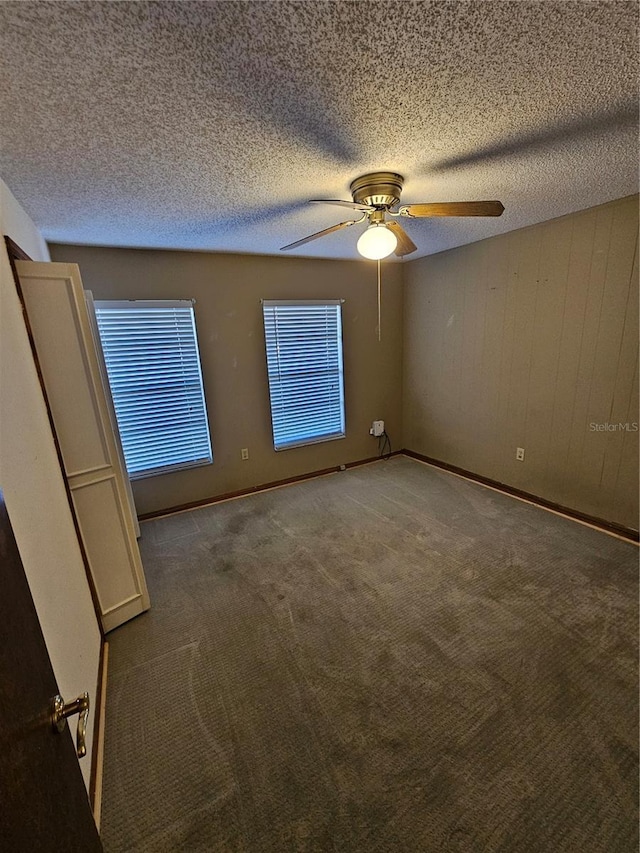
(129, 304)
(321, 439)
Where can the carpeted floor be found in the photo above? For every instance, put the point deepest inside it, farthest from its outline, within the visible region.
(383, 660)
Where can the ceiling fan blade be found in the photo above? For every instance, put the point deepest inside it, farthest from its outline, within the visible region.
(405, 243)
(319, 234)
(453, 208)
(354, 205)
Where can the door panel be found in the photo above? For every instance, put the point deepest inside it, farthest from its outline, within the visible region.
(65, 368)
(60, 324)
(104, 532)
(42, 793)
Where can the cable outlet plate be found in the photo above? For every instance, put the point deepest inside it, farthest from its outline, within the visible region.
(377, 428)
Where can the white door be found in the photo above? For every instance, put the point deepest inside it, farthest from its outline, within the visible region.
(59, 322)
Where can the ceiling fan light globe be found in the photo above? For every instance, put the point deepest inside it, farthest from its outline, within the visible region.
(377, 242)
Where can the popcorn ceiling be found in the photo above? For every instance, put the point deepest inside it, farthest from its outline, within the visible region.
(209, 125)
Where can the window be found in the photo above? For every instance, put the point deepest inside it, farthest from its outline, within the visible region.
(304, 361)
(151, 353)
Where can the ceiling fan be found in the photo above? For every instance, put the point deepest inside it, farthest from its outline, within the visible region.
(376, 195)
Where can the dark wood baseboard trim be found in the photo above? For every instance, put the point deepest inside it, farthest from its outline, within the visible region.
(97, 752)
(147, 516)
(600, 523)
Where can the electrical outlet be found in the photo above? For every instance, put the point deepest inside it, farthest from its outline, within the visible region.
(377, 428)
(520, 454)
(244, 453)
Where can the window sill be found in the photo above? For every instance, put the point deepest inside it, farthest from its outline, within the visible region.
(169, 469)
(309, 441)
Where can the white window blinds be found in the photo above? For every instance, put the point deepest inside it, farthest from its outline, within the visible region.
(151, 353)
(304, 361)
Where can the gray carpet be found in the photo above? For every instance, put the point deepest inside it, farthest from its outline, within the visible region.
(385, 659)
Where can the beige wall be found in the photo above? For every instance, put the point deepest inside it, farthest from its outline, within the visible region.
(524, 340)
(228, 289)
(34, 490)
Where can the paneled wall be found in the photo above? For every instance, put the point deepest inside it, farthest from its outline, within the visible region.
(530, 339)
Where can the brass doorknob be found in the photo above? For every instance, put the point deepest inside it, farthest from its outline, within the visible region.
(61, 710)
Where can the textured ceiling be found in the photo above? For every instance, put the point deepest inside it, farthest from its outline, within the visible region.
(209, 125)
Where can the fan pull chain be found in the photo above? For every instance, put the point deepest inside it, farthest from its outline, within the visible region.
(379, 330)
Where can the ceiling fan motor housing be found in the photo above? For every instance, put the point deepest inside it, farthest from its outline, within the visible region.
(379, 189)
